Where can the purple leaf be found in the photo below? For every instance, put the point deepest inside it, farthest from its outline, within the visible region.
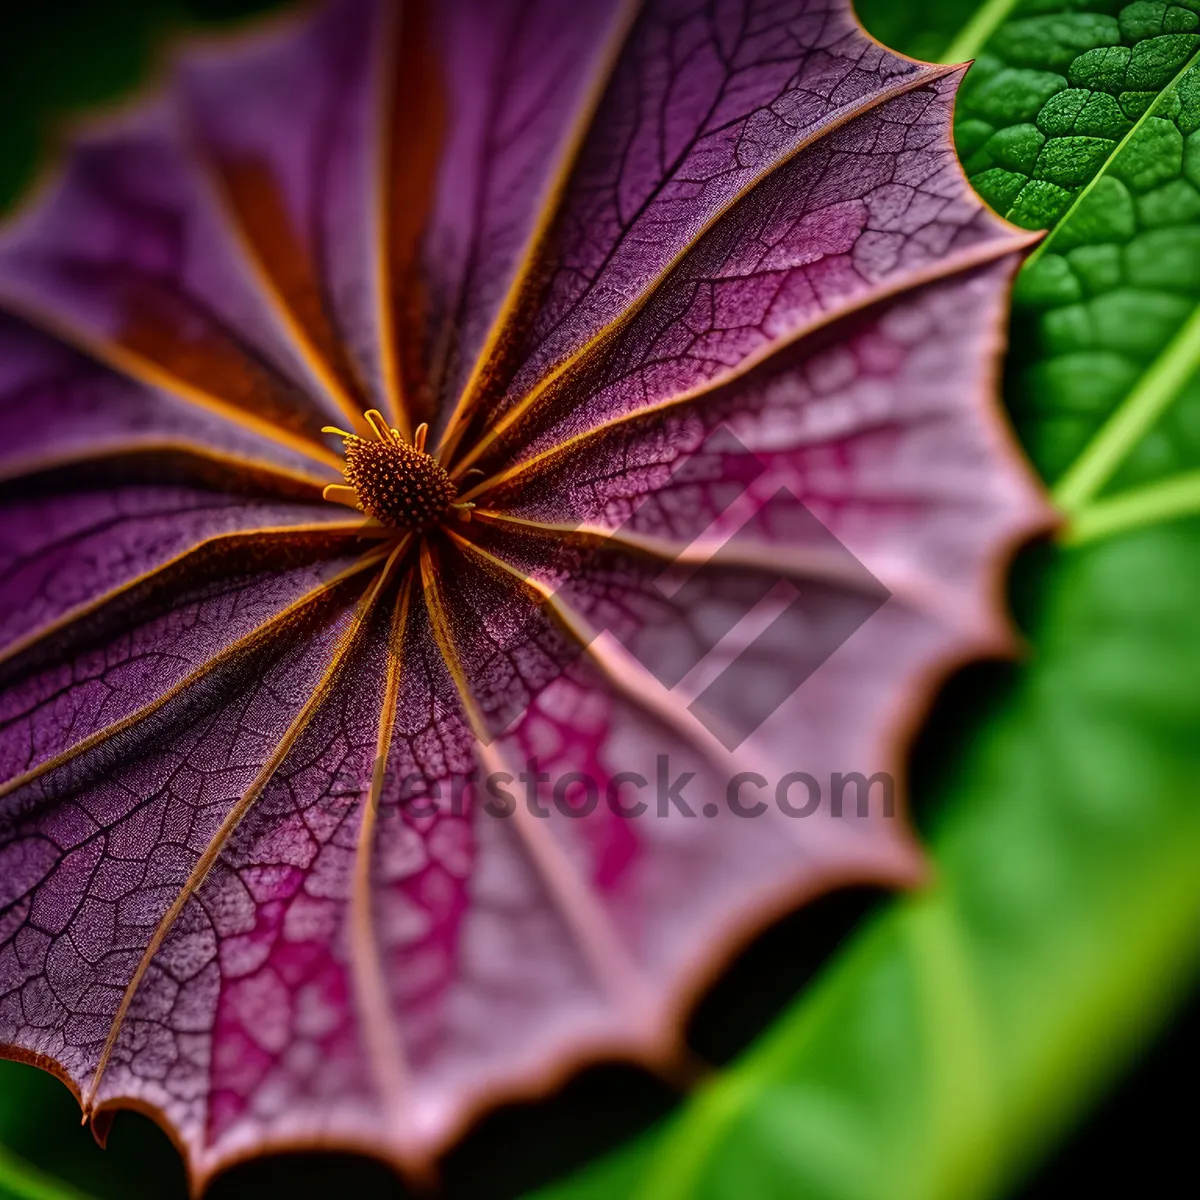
(664, 343)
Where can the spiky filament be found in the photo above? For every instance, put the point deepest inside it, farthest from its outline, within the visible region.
(395, 481)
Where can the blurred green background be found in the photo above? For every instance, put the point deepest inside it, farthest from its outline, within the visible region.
(940, 1045)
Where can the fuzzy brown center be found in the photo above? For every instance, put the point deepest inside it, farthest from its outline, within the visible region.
(398, 484)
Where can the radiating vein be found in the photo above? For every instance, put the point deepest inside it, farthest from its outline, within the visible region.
(389, 80)
(602, 947)
(299, 335)
(411, 116)
(378, 1020)
(833, 566)
(86, 609)
(83, 457)
(952, 264)
(799, 564)
(598, 342)
(548, 207)
(217, 843)
(145, 371)
(244, 643)
(627, 676)
(632, 681)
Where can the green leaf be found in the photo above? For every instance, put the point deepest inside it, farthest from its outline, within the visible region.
(1059, 90)
(61, 59)
(963, 1029)
(1106, 336)
(20, 1181)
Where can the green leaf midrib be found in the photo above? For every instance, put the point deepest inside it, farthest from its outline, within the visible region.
(1156, 390)
(1159, 385)
(974, 34)
(1084, 192)
(1124, 1010)
(1168, 499)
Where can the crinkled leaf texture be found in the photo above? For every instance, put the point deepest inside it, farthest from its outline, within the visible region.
(645, 271)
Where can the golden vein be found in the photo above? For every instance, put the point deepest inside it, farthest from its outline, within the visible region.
(602, 949)
(384, 64)
(217, 843)
(967, 260)
(19, 468)
(548, 209)
(142, 370)
(607, 332)
(378, 1019)
(835, 566)
(625, 674)
(84, 610)
(832, 566)
(312, 357)
(246, 641)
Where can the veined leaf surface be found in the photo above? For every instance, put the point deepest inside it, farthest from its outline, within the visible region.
(655, 282)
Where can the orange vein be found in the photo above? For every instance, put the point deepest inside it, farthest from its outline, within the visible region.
(86, 609)
(804, 565)
(602, 949)
(17, 469)
(610, 329)
(965, 260)
(385, 62)
(140, 369)
(824, 566)
(216, 844)
(408, 97)
(246, 642)
(834, 567)
(378, 1019)
(548, 209)
(319, 366)
(638, 686)
(625, 674)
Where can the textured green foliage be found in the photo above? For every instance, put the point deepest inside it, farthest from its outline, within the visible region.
(1057, 88)
(1108, 290)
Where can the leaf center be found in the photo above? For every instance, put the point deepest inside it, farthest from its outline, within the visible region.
(395, 482)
